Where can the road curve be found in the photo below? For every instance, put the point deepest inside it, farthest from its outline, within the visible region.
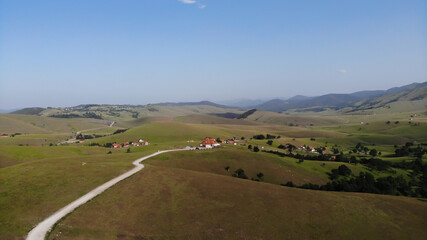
(40, 231)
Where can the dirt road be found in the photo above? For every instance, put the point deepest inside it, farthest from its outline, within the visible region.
(40, 231)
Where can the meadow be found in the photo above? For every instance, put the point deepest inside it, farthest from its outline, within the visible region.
(191, 195)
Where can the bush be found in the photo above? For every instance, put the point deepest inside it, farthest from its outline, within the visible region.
(259, 137)
(109, 152)
(240, 173)
(120, 131)
(373, 152)
(270, 136)
(249, 146)
(256, 149)
(270, 142)
(289, 184)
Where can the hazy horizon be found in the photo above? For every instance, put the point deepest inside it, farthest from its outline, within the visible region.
(226, 102)
(61, 54)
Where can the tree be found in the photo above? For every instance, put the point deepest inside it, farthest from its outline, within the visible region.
(240, 173)
(373, 152)
(259, 137)
(270, 142)
(218, 140)
(249, 146)
(365, 149)
(128, 151)
(270, 136)
(335, 150)
(260, 175)
(109, 152)
(227, 168)
(344, 170)
(256, 149)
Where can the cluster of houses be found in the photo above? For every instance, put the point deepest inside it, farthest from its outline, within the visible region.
(308, 149)
(233, 141)
(4, 135)
(209, 143)
(140, 142)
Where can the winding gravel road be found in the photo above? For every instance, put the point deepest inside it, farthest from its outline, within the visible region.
(40, 231)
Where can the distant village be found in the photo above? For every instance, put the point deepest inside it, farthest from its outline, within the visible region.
(210, 143)
(140, 142)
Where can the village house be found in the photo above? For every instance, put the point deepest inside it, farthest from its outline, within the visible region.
(209, 143)
(4, 135)
(138, 143)
(117, 145)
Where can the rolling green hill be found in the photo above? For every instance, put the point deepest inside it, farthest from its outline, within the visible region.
(166, 203)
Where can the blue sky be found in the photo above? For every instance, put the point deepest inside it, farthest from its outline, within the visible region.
(65, 53)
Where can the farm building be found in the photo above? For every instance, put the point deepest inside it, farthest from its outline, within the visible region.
(209, 143)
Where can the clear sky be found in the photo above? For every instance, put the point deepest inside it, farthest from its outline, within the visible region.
(65, 53)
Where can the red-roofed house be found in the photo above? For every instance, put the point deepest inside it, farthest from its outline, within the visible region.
(116, 145)
(209, 143)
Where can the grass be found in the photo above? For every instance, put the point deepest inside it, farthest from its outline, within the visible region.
(275, 169)
(189, 194)
(174, 203)
(44, 182)
(205, 119)
(30, 124)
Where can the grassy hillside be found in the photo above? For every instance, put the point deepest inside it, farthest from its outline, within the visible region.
(29, 111)
(179, 187)
(122, 114)
(171, 203)
(206, 119)
(294, 120)
(44, 179)
(276, 170)
(29, 124)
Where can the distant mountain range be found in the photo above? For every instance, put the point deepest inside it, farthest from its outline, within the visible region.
(362, 100)
(358, 100)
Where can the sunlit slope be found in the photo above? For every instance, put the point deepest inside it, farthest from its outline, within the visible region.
(294, 120)
(126, 115)
(31, 124)
(207, 119)
(46, 179)
(165, 203)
